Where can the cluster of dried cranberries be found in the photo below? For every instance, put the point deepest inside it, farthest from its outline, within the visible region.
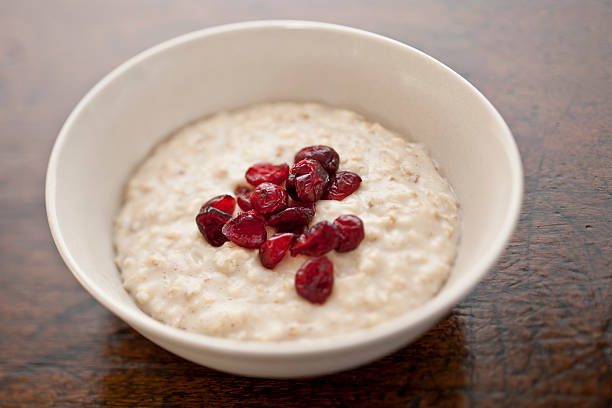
(284, 199)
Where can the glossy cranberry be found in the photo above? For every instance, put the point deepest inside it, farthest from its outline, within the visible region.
(210, 222)
(325, 155)
(267, 173)
(225, 203)
(247, 230)
(342, 185)
(320, 239)
(274, 249)
(309, 206)
(290, 187)
(240, 190)
(293, 219)
(243, 197)
(315, 279)
(268, 198)
(244, 203)
(309, 179)
(350, 232)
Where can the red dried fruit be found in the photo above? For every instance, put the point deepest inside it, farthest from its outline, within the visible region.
(320, 239)
(273, 250)
(268, 198)
(309, 179)
(225, 203)
(243, 197)
(210, 222)
(240, 190)
(315, 279)
(350, 232)
(267, 173)
(325, 155)
(244, 203)
(294, 203)
(247, 230)
(290, 187)
(293, 219)
(342, 185)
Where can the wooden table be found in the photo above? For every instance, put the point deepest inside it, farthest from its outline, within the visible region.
(536, 332)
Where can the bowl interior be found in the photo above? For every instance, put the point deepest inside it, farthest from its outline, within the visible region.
(132, 109)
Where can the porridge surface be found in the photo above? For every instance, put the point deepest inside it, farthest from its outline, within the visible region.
(409, 212)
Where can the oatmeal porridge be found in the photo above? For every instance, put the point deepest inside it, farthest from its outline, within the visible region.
(409, 213)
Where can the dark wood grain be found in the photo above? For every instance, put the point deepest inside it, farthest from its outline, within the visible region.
(535, 332)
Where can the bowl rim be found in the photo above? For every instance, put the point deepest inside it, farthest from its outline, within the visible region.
(428, 313)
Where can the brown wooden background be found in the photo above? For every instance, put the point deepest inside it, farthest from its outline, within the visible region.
(536, 332)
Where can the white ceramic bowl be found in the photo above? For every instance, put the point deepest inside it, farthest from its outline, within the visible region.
(139, 103)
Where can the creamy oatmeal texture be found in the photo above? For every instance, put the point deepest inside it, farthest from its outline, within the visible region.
(409, 212)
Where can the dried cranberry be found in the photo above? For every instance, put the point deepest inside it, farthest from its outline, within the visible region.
(342, 185)
(240, 190)
(293, 219)
(350, 232)
(309, 179)
(267, 172)
(320, 239)
(248, 230)
(273, 250)
(244, 203)
(290, 187)
(225, 203)
(243, 197)
(294, 203)
(315, 279)
(325, 155)
(210, 222)
(268, 198)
